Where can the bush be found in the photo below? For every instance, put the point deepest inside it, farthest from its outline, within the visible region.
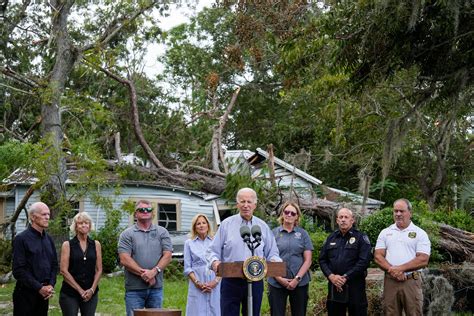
(318, 236)
(6, 255)
(108, 237)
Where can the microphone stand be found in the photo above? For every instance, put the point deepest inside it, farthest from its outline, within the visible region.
(252, 246)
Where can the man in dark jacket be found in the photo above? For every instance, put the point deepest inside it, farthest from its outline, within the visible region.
(344, 259)
(35, 265)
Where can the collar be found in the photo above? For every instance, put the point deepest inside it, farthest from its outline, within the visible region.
(349, 233)
(136, 228)
(409, 227)
(37, 233)
(244, 221)
(197, 238)
(76, 240)
(281, 228)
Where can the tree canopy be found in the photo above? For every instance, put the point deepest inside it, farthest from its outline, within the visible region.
(378, 94)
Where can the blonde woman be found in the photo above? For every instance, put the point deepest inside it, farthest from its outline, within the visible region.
(203, 289)
(296, 249)
(81, 266)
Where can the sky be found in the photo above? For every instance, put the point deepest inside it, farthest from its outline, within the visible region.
(177, 16)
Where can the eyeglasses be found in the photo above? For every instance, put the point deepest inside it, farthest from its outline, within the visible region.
(145, 209)
(290, 213)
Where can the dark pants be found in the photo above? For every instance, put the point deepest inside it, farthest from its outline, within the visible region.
(70, 305)
(277, 298)
(357, 305)
(28, 302)
(234, 294)
(339, 309)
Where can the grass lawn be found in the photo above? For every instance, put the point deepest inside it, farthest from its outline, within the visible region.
(111, 296)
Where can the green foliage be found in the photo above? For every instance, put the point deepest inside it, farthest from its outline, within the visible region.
(237, 181)
(318, 236)
(14, 155)
(457, 218)
(108, 236)
(373, 224)
(6, 255)
(466, 195)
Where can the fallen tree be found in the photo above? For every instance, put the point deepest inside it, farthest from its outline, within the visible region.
(459, 244)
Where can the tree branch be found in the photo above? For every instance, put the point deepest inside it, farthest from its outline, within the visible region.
(116, 26)
(19, 78)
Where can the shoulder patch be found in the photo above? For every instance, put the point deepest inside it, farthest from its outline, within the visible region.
(366, 239)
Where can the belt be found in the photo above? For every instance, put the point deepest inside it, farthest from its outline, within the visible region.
(415, 275)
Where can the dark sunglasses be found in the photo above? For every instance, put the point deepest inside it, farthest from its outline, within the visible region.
(145, 209)
(290, 213)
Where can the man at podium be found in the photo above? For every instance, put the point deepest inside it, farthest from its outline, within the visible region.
(228, 246)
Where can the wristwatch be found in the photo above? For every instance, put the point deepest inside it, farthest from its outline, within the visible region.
(298, 278)
(158, 269)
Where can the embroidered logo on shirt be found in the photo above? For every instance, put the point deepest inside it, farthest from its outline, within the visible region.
(352, 240)
(366, 239)
(297, 235)
(412, 234)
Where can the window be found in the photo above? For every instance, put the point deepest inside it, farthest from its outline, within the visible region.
(167, 216)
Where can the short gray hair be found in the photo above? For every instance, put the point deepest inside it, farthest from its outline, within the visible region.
(246, 190)
(36, 207)
(81, 217)
(406, 202)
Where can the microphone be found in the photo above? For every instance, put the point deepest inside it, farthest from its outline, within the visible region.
(257, 233)
(245, 233)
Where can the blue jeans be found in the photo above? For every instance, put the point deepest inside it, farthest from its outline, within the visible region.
(148, 298)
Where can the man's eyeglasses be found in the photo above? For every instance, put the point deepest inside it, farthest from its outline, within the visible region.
(289, 213)
(145, 209)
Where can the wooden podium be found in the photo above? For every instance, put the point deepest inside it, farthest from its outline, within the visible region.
(156, 312)
(235, 269)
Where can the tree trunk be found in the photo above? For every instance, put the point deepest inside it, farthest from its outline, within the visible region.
(459, 244)
(216, 142)
(54, 191)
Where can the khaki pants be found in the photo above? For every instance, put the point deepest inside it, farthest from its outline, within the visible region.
(402, 296)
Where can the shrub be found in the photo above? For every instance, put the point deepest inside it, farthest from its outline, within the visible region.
(318, 236)
(6, 255)
(108, 237)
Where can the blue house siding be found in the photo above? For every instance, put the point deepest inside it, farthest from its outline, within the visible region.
(189, 204)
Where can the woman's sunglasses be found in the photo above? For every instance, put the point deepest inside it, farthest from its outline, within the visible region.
(145, 209)
(289, 213)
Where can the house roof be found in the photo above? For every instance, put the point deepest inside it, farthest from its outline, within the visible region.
(261, 155)
(288, 167)
(356, 198)
(25, 177)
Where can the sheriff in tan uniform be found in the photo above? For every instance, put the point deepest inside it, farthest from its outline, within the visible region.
(402, 249)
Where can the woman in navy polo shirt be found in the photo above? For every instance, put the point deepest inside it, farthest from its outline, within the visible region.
(296, 250)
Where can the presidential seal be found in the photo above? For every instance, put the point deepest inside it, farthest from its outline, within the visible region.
(255, 268)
